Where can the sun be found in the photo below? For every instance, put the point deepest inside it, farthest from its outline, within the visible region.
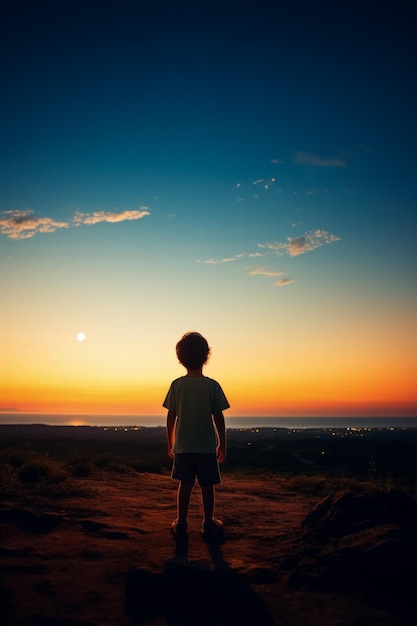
(80, 336)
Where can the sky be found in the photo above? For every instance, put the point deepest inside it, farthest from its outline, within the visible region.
(246, 170)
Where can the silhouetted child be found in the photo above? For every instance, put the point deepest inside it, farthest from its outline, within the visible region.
(196, 433)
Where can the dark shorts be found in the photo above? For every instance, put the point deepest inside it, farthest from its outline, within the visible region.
(189, 466)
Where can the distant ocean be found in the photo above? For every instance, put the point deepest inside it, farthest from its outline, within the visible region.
(231, 422)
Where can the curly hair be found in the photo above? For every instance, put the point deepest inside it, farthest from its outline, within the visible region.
(193, 350)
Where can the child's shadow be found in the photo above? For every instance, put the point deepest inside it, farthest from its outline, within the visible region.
(189, 593)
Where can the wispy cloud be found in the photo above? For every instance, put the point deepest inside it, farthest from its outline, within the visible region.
(219, 261)
(307, 158)
(24, 224)
(262, 271)
(294, 246)
(112, 217)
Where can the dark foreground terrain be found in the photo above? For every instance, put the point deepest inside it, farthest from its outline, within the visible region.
(319, 529)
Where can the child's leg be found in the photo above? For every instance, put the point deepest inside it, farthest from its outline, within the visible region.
(183, 501)
(207, 495)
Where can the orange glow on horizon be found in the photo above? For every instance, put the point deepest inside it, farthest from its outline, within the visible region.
(141, 400)
(96, 381)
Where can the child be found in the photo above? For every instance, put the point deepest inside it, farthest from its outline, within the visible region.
(196, 433)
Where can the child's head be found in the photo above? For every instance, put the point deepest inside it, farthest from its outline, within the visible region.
(192, 351)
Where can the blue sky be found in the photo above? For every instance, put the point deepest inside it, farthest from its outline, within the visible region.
(246, 169)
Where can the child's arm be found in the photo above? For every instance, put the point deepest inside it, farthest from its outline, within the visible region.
(171, 417)
(221, 431)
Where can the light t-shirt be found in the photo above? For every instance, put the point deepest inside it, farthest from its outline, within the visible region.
(195, 399)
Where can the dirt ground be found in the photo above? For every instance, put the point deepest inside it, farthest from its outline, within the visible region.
(111, 560)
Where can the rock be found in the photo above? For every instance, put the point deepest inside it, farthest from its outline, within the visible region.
(359, 541)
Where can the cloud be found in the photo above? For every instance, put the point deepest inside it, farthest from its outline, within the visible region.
(300, 245)
(108, 216)
(262, 271)
(219, 261)
(306, 158)
(294, 246)
(24, 224)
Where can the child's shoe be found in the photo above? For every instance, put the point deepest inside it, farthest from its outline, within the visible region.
(179, 529)
(213, 530)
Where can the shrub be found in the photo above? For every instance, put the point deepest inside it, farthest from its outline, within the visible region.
(104, 461)
(68, 488)
(41, 468)
(81, 469)
(16, 457)
(7, 479)
(113, 464)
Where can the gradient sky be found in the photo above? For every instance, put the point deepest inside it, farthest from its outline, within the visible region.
(243, 169)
